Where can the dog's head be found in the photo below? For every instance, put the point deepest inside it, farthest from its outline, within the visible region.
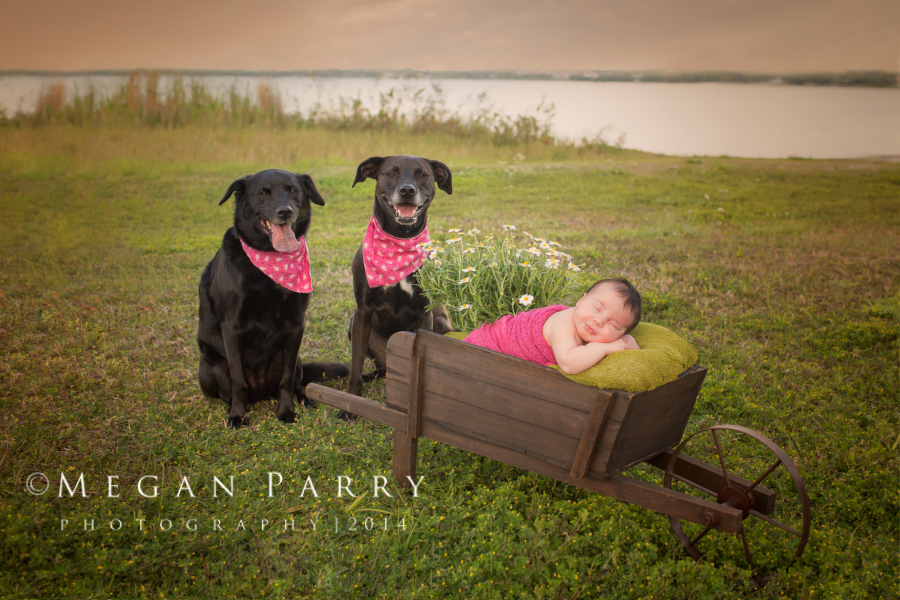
(272, 208)
(404, 188)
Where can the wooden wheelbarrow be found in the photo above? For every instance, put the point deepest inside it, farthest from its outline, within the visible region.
(534, 418)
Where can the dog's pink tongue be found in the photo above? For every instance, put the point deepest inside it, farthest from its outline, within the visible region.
(406, 210)
(283, 238)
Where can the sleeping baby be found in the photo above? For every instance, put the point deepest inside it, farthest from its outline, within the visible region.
(573, 337)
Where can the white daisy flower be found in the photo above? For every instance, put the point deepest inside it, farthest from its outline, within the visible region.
(534, 251)
(573, 267)
(509, 228)
(526, 300)
(551, 263)
(474, 231)
(464, 280)
(454, 230)
(464, 307)
(468, 250)
(525, 264)
(553, 243)
(454, 240)
(469, 270)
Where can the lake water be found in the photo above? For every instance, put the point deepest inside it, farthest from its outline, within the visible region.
(745, 120)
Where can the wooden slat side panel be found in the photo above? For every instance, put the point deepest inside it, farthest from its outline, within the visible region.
(629, 490)
(503, 371)
(498, 429)
(500, 400)
(656, 421)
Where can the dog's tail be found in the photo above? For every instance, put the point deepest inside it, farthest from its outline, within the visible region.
(314, 372)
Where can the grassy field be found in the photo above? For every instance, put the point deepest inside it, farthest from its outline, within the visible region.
(785, 275)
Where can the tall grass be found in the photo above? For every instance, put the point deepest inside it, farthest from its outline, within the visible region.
(418, 110)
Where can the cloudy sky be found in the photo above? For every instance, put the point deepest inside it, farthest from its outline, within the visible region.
(771, 36)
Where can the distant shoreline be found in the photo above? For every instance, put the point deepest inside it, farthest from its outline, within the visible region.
(876, 79)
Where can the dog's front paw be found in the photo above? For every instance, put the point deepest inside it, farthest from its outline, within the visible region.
(287, 416)
(346, 416)
(238, 422)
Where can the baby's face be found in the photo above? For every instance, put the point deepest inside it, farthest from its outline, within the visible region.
(601, 316)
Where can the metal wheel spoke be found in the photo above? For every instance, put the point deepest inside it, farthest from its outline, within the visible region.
(721, 458)
(775, 523)
(699, 537)
(747, 549)
(763, 476)
(694, 485)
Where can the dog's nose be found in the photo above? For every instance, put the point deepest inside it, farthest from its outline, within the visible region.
(284, 212)
(406, 190)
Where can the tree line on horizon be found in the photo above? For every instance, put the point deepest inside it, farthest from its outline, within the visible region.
(865, 78)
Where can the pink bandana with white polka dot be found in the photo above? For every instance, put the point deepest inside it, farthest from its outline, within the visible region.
(388, 259)
(288, 269)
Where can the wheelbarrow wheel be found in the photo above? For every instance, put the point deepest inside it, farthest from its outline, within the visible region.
(755, 476)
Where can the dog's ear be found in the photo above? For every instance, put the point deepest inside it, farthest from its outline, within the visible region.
(238, 186)
(367, 169)
(309, 188)
(442, 175)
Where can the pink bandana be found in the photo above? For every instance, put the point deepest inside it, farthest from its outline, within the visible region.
(388, 259)
(288, 269)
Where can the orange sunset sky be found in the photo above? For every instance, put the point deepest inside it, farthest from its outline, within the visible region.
(772, 36)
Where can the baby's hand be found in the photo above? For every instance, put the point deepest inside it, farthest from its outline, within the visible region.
(616, 346)
(630, 342)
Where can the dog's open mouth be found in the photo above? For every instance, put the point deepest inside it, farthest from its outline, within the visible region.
(405, 212)
(283, 238)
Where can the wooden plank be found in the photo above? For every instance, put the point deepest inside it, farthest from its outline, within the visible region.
(357, 405)
(592, 427)
(711, 478)
(619, 487)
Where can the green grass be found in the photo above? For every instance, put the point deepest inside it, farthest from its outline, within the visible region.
(784, 274)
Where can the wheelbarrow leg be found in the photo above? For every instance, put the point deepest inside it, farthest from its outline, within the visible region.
(406, 442)
(405, 448)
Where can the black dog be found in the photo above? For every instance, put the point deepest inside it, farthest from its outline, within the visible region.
(250, 326)
(404, 189)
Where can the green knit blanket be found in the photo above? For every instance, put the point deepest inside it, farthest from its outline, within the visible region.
(662, 357)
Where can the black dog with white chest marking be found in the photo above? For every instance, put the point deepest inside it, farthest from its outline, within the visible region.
(253, 299)
(383, 269)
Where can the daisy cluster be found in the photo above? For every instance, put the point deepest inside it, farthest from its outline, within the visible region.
(481, 278)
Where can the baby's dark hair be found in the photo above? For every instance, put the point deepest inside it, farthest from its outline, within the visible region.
(628, 293)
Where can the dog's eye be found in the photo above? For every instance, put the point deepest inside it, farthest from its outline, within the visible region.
(294, 191)
(391, 174)
(263, 193)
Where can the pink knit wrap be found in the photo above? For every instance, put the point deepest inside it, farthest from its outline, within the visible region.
(520, 335)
